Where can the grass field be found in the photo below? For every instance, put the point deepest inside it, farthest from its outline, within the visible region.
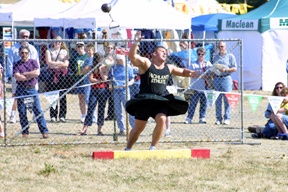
(245, 167)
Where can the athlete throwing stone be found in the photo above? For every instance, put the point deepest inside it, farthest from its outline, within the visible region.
(152, 100)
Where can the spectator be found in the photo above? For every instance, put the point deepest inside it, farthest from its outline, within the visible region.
(118, 76)
(26, 72)
(280, 119)
(134, 89)
(198, 85)
(110, 114)
(85, 69)
(223, 81)
(98, 94)
(1, 93)
(13, 57)
(57, 59)
(76, 66)
(270, 129)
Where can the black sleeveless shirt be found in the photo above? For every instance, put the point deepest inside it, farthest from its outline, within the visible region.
(154, 80)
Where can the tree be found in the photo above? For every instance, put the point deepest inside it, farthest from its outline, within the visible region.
(252, 4)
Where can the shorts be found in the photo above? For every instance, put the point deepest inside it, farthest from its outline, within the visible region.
(146, 111)
(14, 85)
(285, 120)
(81, 90)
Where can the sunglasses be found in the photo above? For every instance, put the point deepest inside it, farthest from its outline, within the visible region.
(109, 47)
(200, 54)
(221, 46)
(278, 87)
(78, 46)
(22, 53)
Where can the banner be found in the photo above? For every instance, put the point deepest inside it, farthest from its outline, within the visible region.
(275, 102)
(211, 97)
(254, 101)
(51, 97)
(233, 99)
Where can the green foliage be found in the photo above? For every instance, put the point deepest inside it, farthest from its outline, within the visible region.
(47, 170)
(254, 3)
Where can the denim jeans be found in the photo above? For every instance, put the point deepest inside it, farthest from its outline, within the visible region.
(36, 108)
(100, 96)
(119, 101)
(222, 84)
(193, 103)
(134, 90)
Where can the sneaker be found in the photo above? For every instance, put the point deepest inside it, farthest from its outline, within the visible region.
(62, 119)
(53, 119)
(122, 133)
(187, 121)
(217, 123)
(2, 135)
(82, 118)
(45, 136)
(168, 134)
(202, 120)
(256, 135)
(152, 148)
(12, 119)
(226, 122)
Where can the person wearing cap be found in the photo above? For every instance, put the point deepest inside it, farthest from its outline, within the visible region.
(152, 100)
(117, 75)
(76, 64)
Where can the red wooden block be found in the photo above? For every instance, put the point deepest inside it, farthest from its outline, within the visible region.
(103, 155)
(200, 153)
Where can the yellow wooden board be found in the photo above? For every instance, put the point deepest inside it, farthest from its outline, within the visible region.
(160, 154)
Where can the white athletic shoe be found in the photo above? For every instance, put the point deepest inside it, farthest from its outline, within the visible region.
(168, 134)
(226, 122)
(12, 119)
(53, 119)
(187, 121)
(82, 118)
(202, 120)
(217, 123)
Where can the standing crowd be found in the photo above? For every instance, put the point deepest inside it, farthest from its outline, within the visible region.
(141, 88)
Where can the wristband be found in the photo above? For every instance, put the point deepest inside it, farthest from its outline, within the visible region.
(136, 43)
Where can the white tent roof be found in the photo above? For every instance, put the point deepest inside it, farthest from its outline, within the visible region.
(127, 13)
(24, 11)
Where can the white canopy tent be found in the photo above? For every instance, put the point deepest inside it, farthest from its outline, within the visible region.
(23, 13)
(264, 33)
(127, 13)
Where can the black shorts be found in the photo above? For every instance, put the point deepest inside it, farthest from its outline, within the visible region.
(146, 111)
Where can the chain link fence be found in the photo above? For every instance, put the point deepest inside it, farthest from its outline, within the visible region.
(78, 87)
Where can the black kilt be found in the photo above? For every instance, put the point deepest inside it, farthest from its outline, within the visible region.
(175, 105)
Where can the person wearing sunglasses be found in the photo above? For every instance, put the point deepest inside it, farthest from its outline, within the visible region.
(198, 85)
(76, 65)
(269, 129)
(223, 82)
(13, 57)
(26, 72)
